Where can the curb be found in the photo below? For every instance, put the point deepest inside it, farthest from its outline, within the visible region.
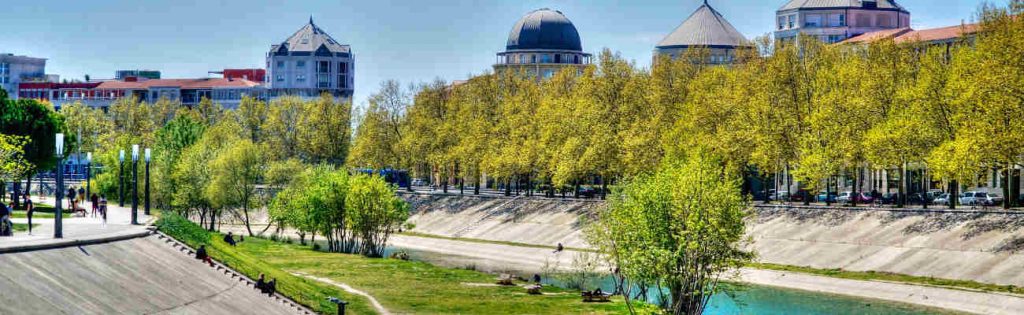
(903, 210)
(75, 242)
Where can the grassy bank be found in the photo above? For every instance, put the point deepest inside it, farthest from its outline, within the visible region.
(401, 286)
(894, 277)
(476, 240)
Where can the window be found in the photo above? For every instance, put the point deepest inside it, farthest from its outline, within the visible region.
(522, 58)
(533, 58)
(782, 22)
(792, 21)
(545, 58)
(323, 80)
(548, 73)
(280, 64)
(280, 78)
(812, 20)
(300, 64)
(323, 67)
(342, 81)
(300, 78)
(837, 20)
(342, 67)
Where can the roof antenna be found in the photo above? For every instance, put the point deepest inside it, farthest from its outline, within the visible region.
(310, 19)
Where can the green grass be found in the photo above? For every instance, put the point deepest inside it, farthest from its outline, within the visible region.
(476, 240)
(401, 286)
(894, 277)
(20, 227)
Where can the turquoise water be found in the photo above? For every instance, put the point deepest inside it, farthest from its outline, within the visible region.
(738, 298)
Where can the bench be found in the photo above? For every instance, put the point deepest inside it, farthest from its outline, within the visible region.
(506, 279)
(589, 296)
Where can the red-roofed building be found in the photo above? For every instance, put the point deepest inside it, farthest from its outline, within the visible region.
(226, 92)
(256, 75)
(933, 36)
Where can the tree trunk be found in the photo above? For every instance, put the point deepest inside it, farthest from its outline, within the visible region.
(248, 228)
(856, 183)
(476, 187)
(508, 186)
(1007, 181)
(576, 189)
(213, 219)
(954, 186)
(901, 197)
(604, 189)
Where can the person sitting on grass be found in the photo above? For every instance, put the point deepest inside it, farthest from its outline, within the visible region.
(559, 248)
(201, 255)
(6, 227)
(230, 239)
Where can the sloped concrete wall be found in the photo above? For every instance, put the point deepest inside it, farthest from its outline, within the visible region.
(539, 221)
(967, 245)
(977, 246)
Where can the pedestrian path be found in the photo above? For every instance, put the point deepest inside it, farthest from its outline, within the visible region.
(75, 228)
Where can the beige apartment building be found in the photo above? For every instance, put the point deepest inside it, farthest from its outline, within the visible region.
(833, 21)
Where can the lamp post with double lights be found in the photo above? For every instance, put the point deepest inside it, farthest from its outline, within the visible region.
(58, 210)
(135, 184)
(88, 173)
(147, 180)
(120, 177)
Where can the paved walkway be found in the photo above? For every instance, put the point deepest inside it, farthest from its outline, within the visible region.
(75, 229)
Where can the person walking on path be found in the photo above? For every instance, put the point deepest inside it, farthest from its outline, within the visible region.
(95, 200)
(103, 209)
(81, 195)
(29, 210)
(71, 199)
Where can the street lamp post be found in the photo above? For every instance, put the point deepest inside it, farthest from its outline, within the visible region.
(135, 184)
(120, 177)
(58, 211)
(147, 180)
(88, 173)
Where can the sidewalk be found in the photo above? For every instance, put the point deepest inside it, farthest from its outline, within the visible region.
(76, 230)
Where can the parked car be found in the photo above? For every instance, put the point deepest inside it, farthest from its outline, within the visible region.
(847, 197)
(974, 198)
(889, 198)
(942, 199)
(799, 195)
(419, 182)
(823, 198)
(587, 192)
(993, 199)
(782, 195)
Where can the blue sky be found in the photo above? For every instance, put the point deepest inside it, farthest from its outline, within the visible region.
(410, 40)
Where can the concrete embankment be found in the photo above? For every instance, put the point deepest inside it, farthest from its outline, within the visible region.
(963, 245)
(144, 275)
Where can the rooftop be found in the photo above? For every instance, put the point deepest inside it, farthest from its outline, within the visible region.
(544, 29)
(825, 4)
(704, 28)
(311, 38)
(202, 83)
(908, 35)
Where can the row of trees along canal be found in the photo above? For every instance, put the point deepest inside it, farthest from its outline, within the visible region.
(819, 112)
(210, 162)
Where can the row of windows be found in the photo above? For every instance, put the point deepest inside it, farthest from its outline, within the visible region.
(322, 66)
(5, 71)
(813, 20)
(543, 58)
(323, 80)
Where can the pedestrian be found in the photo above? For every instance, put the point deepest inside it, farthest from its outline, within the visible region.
(5, 219)
(71, 199)
(95, 201)
(202, 255)
(261, 284)
(81, 195)
(230, 239)
(103, 209)
(29, 210)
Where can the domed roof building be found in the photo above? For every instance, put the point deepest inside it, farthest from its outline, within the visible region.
(705, 28)
(542, 43)
(309, 63)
